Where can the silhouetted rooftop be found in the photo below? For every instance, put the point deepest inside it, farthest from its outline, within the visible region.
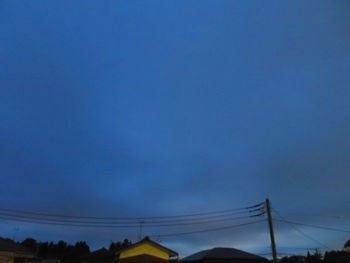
(221, 253)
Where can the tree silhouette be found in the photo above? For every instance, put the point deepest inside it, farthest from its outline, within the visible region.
(31, 244)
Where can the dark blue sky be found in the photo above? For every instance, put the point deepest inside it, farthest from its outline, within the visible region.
(140, 108)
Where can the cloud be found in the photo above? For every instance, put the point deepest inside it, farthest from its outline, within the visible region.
(117, 109)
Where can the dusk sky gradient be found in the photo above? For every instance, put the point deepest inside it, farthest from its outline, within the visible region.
(143, 108)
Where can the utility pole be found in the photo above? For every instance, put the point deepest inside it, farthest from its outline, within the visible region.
(272, 235)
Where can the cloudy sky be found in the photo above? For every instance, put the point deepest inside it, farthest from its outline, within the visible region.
(147, 108)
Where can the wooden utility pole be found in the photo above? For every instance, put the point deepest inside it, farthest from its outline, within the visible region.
(272, 235)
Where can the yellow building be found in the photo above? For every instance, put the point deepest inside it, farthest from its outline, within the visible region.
(146, 251)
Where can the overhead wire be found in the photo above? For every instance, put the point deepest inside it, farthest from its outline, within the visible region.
(204, 219)
(339, 217)
(250, 213)
(106, 222)
(300, 231)
(315, 226)
(207, 230)
(195, 215)
(136, 224)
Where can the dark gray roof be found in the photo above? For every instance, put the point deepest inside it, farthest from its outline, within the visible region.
(221, 253)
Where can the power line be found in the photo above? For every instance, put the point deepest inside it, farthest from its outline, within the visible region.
(244, 213)
(297, 248)
(301, 232)
(339, 217)
(251, 208)
(207, 230)
(250, 213)
(108, 224)
(315, 226)
(155, 236)
(66, 224)
(287, 253)
(264, 254)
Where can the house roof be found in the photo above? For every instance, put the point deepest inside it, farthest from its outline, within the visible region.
(347, 244)
(149, 241)
(221, 253)
(11, 246)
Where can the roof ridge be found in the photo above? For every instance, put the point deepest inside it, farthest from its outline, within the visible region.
(148, 240)
(221, 253)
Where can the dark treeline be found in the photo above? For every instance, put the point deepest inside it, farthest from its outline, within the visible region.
(77, 253)
(328, 257)
(80, 253)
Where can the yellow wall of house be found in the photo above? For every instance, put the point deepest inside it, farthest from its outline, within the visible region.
(6, 257)
(144, 249)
